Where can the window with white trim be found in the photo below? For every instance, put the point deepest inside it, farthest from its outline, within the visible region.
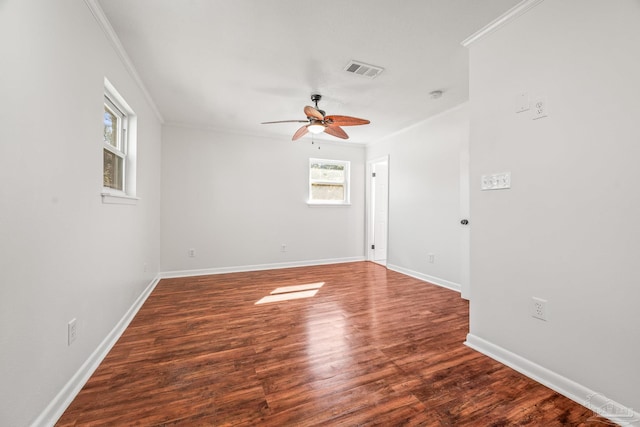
(328, 182)
(114, 146)
(118, 147)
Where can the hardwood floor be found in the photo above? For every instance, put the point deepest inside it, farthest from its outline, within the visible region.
(372, 347)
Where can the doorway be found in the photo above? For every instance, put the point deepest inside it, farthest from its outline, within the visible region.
(378, 210)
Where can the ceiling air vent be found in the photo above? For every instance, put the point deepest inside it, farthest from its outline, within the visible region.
(362, 69)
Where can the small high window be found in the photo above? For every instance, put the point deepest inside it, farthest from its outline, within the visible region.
(328, 182)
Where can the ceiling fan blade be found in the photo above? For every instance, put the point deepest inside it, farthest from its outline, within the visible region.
(300, 133)
(312, 112)
(336, 131)
(285, 121)
(345, 121)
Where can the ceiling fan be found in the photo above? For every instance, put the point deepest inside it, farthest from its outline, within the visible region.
(317, 122)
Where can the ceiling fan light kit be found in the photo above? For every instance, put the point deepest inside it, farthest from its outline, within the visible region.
(316, 127)
(318, 122)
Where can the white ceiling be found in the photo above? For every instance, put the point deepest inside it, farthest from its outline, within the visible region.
(231, 64)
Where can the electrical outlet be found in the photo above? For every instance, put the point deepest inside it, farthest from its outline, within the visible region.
(191, 252)
(72, 331)
(540, 108)
(431, 258)
(539, 308)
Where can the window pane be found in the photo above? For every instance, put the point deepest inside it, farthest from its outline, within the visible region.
(327, 192)
(327, 172)
(112, 170)
(110, 127)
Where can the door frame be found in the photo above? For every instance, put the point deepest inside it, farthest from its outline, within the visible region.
(371, 205)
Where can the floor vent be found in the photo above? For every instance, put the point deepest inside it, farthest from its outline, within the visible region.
(362, 69)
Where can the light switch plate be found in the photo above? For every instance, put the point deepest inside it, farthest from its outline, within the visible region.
(522, 102)
(496, 181)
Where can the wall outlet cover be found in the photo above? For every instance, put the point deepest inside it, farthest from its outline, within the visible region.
(540, 108)
(539, 308)
(72, 331)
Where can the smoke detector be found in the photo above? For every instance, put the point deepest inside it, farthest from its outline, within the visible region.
(362, 69)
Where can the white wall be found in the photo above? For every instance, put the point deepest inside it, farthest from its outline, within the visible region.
(424, 196)
(236, 199)
(567, 230)
(63, 254)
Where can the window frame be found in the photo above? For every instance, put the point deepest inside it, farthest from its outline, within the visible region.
(120, 149)
(125, 149)
(345, 183)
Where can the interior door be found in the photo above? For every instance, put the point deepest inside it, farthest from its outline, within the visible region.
(379, 210)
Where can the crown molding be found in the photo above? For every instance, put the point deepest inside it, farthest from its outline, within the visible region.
(113, 38)
(513, 13)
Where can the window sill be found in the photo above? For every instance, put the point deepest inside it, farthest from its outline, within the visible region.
(118, 199)
(327, 205)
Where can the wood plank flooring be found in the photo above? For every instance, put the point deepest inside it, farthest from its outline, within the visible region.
(372, 347)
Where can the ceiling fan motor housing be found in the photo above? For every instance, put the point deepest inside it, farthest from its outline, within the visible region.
(315, 97)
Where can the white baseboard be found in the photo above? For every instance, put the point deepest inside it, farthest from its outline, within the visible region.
(61, 402)
(426, 278)
(256, 267)
(586, 397)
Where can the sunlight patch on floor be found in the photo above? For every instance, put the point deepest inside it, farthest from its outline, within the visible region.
(297, 288)
(287, 293)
